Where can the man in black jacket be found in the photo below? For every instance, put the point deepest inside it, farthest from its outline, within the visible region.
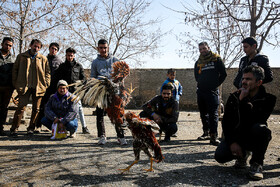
(72, 71)
(164, 110)
(210, 73)
(253, 57)
(6, 86)
(245, 123)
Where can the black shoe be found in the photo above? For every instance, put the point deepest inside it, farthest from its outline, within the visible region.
(214, 140)
(204, 136)
(2, 133)
(85, 130)
(13, 134)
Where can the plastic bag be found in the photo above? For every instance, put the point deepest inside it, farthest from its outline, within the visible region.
(58, 133)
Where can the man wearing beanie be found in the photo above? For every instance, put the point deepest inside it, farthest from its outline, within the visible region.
(62, 110)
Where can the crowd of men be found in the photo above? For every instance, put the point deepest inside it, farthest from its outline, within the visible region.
(46, 80)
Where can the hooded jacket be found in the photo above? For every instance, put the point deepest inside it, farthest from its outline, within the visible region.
(102, 66)
(240, 116)
(169, 112)
(258, 60)
(212, 75)
(61, 107)
(20, 73)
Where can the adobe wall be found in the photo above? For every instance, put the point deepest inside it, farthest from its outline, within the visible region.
(148, 82)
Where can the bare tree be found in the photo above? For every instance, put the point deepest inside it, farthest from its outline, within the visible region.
(121, 23)
(214, 27)
(259, 17)
(26, 19)
(224, 23)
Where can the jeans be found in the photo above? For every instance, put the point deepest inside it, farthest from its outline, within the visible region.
(208, 104)
(81, 114)
(255, 140)
(71, 126)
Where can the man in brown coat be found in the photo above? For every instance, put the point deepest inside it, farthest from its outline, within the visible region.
(30, 76)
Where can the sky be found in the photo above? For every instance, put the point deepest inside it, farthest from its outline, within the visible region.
(169, 57)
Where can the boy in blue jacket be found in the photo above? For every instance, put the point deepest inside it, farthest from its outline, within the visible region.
(177, 88)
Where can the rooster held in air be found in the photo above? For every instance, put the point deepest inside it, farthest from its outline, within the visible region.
(143, 139)
(108, 94)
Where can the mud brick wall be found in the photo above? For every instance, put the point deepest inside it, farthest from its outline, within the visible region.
(148, 82)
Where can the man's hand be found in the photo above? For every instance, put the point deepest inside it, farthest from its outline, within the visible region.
(244, 92)
(157, 118)
(56, 120)
(236, 150)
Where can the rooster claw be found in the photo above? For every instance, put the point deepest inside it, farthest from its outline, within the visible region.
(149, 170)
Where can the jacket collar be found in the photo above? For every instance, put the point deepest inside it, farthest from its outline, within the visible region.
(27, 54)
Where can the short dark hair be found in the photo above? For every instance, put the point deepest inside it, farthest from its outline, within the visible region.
(171, 70)
(203, 43)
(257, 71)
(167, 87)
(7, 39)
(54, 44)
(102, 41)
(251, 41)
(71, 50)
(36, 40)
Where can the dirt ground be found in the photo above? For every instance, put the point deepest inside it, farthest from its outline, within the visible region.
(39, 161)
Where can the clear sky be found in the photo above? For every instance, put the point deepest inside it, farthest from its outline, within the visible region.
(170, 46)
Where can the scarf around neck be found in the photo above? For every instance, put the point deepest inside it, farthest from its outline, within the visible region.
(203, 60)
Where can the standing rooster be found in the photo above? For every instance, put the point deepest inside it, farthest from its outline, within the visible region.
(143, 139)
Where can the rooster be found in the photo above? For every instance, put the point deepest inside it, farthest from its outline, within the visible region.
(143, 139)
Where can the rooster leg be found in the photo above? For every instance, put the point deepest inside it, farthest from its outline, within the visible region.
(151, 166)
(127, 169)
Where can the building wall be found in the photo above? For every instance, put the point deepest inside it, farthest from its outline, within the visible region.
(148, 82)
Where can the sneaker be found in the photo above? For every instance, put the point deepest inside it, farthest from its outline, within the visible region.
(214, 140)
(85, 130)
(102, 140)
(122, 141)
(256, 171)
(72, 135)
(37, 130)
(174, 135)
(204, 136)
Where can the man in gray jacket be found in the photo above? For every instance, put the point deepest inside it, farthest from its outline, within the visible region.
(102, 66)
(6, 86)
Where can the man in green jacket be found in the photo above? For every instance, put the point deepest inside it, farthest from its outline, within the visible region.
(30, 76)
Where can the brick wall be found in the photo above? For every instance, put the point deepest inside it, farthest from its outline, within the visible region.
(148, 82)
